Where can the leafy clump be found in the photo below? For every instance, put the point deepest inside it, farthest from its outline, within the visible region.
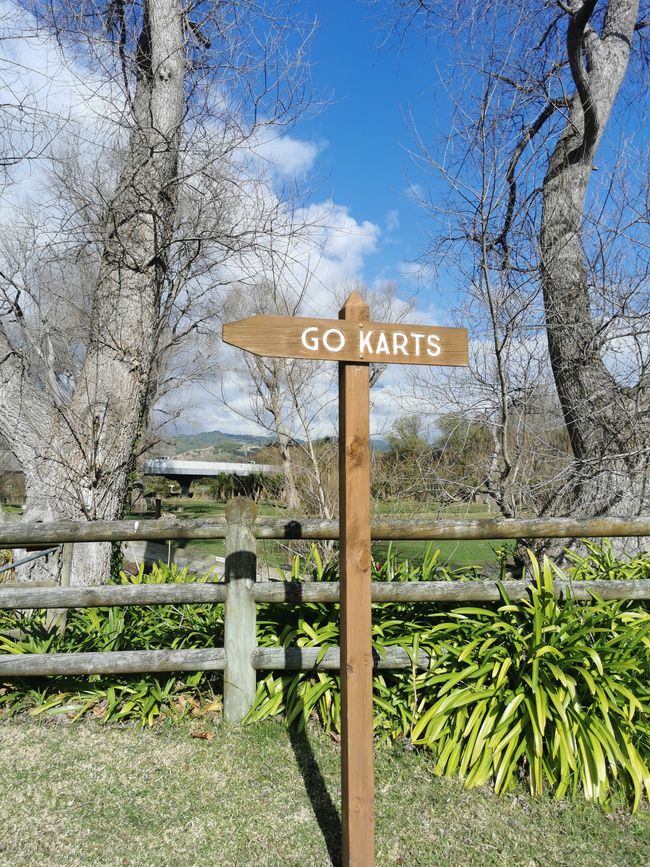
(554, 692)
(600, 563)
(143, 698)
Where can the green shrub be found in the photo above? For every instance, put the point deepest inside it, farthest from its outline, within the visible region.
(140, 697)
(601, 563)
(556, 692)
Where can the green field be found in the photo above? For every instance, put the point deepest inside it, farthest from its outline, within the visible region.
(461, 552)
(455, 553)
(269, 552)
(399, 508)
(80, 794)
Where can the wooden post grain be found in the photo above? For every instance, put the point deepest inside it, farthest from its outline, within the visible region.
(357, 776)
(57, 619)
(240, 610)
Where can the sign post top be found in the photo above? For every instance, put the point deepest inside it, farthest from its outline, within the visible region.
(347, 339)
(355, 307)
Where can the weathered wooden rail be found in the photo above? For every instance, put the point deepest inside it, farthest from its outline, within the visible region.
(240, 658)
(396, 529)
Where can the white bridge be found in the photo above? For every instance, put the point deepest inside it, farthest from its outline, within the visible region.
(186, 472)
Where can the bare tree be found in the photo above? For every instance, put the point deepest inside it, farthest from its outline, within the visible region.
(184, 93)
(551, 248)
(296, 400)
(291, 398)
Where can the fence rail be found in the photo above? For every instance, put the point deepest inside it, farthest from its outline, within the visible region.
(209, 659)
(395, 529)
(240, 658)
(296, 592)
(111, 662)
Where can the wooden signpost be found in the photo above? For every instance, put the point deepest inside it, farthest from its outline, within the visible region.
(354, 343)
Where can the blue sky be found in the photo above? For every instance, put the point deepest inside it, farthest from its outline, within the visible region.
(363, 133)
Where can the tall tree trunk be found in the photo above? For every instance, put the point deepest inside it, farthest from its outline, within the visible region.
(608, 424)
(291, 496)
(77, 455)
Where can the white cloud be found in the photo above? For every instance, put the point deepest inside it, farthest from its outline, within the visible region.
(625, 355)
(321, 248)
(392, 220)
(329, 252)
(36, 73)
(288, 156)
(345, 242)
(326, 249)
(416, 272)
(415, 193)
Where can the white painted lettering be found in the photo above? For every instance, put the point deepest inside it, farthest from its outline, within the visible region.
(364, 341)
(382, 344)
(309, 342)
(339, 335)
(395, 343)
(433, 347)
(417, 337)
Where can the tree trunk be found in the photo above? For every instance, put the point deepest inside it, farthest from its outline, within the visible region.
(77, 455)
(291, 496)
(268, 376)
(608, 424)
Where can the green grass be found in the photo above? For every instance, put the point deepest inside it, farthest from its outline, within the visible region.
(271, 553)
(428, 507)
(11, 508)
(456, 553)
(461, 552)
(91, 794)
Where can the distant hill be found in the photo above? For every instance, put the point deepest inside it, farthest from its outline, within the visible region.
(218, 445)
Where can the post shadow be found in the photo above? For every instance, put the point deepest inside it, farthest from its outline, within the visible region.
(325, 811)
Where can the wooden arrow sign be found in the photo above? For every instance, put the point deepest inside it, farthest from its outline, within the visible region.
(340, 340)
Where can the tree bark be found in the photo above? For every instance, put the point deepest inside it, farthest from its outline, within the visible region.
(608, 423)
(77, 454)
(291, 497)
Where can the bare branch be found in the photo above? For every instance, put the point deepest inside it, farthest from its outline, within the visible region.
(534, 128)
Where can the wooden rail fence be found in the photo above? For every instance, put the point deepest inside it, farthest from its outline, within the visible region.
(240, 658)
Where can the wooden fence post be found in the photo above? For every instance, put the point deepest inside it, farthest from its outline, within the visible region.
(57, 618)
(240, 636)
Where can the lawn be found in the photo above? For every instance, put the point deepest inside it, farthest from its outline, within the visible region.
(79, 794)
(269, 552)
(455, 553)
(398, 507)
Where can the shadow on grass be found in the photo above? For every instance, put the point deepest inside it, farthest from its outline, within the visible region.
(327, 816)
